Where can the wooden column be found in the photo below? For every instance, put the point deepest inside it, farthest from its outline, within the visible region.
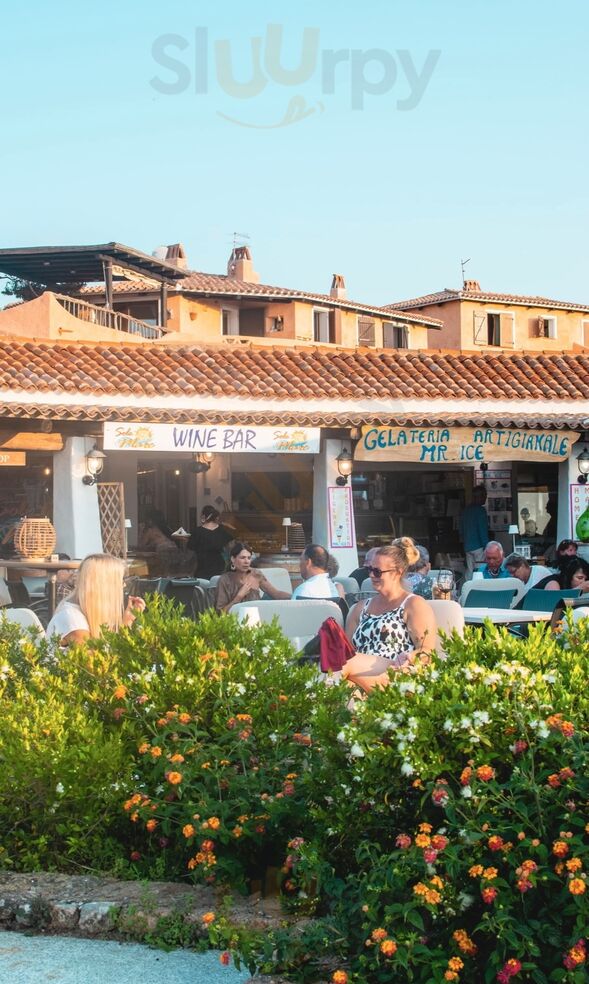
(164, 305)
(108, 284)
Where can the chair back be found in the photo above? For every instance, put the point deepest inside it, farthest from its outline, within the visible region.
(35, 586)
(279, 578)
(191, 597)
(366, 586)
(349, 584)
(299, 619)
(449, 618)
(23, 617)
(499, 584)
(213, 582)
(489, 599)
(539, 600)
(150, 585)
(5, 596)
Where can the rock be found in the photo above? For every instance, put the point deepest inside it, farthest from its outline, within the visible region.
(96, 918)
(24, 915)
(63, 915)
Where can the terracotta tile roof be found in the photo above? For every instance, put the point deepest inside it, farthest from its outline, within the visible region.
(443, 296)
(281, 384)
(217, 285)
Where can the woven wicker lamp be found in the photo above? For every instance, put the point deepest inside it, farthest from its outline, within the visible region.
(34, 539)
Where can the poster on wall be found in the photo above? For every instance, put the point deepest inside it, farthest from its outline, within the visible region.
(579, 503)
(341, 517)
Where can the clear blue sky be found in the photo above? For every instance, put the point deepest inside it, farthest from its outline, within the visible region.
(490, 164)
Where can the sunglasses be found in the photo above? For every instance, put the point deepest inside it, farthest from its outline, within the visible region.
(377, 572)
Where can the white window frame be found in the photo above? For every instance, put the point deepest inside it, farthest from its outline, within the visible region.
(552, 325)
(485, 343)
(324, 328)
(233, 313)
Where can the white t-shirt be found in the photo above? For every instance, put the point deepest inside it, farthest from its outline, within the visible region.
(67, 618)
(537, 573)
(316, 586)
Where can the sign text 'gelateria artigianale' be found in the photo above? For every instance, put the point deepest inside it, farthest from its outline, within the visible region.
(464, 445)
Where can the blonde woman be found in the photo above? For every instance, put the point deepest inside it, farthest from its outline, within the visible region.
(394, 627)
(96, 601)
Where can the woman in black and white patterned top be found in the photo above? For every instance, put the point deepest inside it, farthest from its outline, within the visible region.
(395, 626)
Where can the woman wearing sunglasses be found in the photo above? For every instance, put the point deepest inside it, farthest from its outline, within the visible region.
(392, 628)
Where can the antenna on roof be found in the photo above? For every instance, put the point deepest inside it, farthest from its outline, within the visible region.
(240, 239)
(462, 266)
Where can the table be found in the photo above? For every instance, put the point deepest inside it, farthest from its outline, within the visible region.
(503, 616)
(50, 566)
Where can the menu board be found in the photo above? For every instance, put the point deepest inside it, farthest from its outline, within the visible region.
(499, 505)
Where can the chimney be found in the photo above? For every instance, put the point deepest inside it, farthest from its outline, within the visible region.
(338, 287)
(176, 255)
(241, 267)
(471, 286)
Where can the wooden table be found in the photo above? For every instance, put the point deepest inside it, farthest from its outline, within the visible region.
(51, 567)
(503, 616)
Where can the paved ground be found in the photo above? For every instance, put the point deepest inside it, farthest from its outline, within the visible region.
(63, 960)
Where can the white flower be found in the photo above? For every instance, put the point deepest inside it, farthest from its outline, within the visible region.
(550, 677)
(465, 723)
(407, 769)
(434, 675)
(341, 737)
(356, 751)
(346, 790)
(401, 746)
(407, 687)
(386, 722)
(481, 717)
(466, 792)
(273, 737)
(543, 731)
(465, 900)
(448, 726)
(59, 788)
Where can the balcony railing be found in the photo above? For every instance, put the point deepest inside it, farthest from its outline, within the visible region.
(105, 318)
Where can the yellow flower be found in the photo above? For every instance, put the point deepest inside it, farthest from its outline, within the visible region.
(422, 840)
(120, 692)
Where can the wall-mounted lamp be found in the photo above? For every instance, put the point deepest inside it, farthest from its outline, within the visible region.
(286, 522)
(583, 463)
(201, 463)
(94, 464)
(208, 456)
(345, 465)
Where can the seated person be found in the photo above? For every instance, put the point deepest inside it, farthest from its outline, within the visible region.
(392, 629)
(317, 582)
(493, 567)
(361, 573)
(154, 536)
(418, 577)
(242, 582)
(531, 575)
(97, 601)
(575, 574)
(565, 551)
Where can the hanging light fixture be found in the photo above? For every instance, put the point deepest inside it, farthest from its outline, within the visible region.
(345, 465)
(94, 464)
(583, 463)
(200, 463)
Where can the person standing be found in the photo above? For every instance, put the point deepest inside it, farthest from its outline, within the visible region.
(474, 528)
(208, 543)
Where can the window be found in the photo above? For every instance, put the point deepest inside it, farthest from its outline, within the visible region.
(229, 321)
(395, 336)
(366, 332)
(324, 326)
(585, 333)
(493, 329)
(547, 327)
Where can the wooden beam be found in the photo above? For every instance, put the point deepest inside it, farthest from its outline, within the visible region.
(30, 441)
(108, 282)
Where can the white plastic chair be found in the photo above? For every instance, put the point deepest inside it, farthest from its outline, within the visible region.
(498, 584)
(349, 584)
(25, 618)
(278, 577)
(449, 618)
(5, 597)
(366, 586)
(299, 619)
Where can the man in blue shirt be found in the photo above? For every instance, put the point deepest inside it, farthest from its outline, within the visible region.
(474, 527)
(493, 558)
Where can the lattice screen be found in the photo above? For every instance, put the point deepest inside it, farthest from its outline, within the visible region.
(111, 506)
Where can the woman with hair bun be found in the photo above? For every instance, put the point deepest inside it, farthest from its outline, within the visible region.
(392, 628)
(208, 543)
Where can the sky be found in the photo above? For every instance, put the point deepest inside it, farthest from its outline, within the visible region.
(386, 141)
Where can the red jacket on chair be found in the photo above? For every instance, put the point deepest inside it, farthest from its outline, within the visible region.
(335, 649)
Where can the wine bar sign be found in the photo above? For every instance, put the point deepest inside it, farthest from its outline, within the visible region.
(464, 445)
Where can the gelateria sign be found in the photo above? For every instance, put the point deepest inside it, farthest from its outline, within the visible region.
(464, 445)
(200, 438)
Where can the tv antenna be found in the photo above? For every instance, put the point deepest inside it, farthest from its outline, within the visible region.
(241, 239)
(462, 266)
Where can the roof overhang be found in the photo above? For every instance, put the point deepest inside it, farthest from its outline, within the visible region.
(50, 265)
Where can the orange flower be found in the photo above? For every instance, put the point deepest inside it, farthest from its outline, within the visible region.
(120, 692)
(208, 918)
(465, 776)
(432, 897)
(237, 831)
(437, 881)
(388, 948)
(455, 963)
(577, 886)
(177, 757)
(378, 934)
(574, 864)
(174, 778)
(450, 975)
(184, 718)
(143, 748)
(489, 895)
(420, 889)
(476, 871)
(495, 843)
(188, 830)
(151, 824)
(465, 944)
(225, 958)
(422, 840)
(213, 823)
(485, 773)
(560, 849)
(490, 873)
(425, 828)
(339, 977)
(155, 752)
